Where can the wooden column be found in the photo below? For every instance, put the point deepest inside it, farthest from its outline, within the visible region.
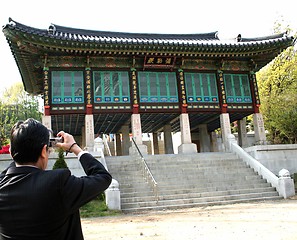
(254, 92)
(204, 138)
(222, 92)
(134, 91)
(182, 91)
(168, 144)
(118, 144)
(88, 90)
(156, 143)
(46, 92)
(125, 140)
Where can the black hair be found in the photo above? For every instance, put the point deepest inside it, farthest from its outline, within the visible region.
(27, 139)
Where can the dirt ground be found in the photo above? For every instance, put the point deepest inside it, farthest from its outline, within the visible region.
(257, 220)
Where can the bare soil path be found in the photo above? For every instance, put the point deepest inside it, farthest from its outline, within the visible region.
(245, 221)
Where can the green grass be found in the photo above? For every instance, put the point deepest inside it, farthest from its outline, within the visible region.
(97, 208)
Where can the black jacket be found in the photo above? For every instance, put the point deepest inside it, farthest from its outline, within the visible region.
(44, 205)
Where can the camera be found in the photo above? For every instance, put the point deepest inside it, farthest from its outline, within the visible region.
(54, 141)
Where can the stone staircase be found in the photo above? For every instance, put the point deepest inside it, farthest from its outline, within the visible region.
(187, 181)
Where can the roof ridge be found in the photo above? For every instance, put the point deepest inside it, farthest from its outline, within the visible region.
(194, 36)
(268, 37)
(99, 33)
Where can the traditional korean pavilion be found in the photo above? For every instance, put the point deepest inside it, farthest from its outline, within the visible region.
(121, 83)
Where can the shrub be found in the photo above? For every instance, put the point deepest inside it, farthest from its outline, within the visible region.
(4, 149)
(60, 162)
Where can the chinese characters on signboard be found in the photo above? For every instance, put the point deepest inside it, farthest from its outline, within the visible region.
(159, 62)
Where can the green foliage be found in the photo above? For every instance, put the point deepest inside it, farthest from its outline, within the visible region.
(277, 88)
(234, 127)
(15, 105)
(60, 162)
(249, 125)
(97, 208)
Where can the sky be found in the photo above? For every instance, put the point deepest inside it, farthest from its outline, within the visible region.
(250, 18)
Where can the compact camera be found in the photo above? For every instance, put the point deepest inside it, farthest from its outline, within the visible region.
(54, 141)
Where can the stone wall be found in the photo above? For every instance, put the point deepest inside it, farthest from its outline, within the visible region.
(276, 157)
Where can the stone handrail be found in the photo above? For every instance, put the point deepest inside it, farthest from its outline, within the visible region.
(284, 185)
(148, 173)
(106, 145)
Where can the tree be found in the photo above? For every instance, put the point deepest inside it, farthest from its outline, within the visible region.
(60, 162)
(16, 104)
(277, 89)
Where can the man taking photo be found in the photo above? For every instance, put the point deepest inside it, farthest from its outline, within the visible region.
(44, 204)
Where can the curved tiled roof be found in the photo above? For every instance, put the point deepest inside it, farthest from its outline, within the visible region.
(205, 41)
(105, 37)
(29, 44)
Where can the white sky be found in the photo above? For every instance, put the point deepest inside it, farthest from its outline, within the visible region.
(250, 18)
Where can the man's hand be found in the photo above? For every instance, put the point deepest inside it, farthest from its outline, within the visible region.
(68, 144)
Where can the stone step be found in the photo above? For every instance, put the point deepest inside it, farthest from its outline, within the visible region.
(180, 175)
(201, 175)
(172, 158)
(196, 195)
(211, 168)
(188, 180)
(144, 190)
(199, 186)
(187, 157)
(215, 187)
(190, 168)
(186, 188)
(131, 192)
(176, 202)
(211, 181)
(228, 170)
(161, 162)
(186, 176)
(201, 204)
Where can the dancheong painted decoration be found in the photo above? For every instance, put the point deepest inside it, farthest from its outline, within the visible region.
(112, 75)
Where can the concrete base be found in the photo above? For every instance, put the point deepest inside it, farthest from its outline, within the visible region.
(113, 196)
(142, 148)
(286, 187)
(187, 148)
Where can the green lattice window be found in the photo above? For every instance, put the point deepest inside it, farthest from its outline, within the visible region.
(111, 87)
(157, 87)
(67, 87)
(237, 88)
(201, 87)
